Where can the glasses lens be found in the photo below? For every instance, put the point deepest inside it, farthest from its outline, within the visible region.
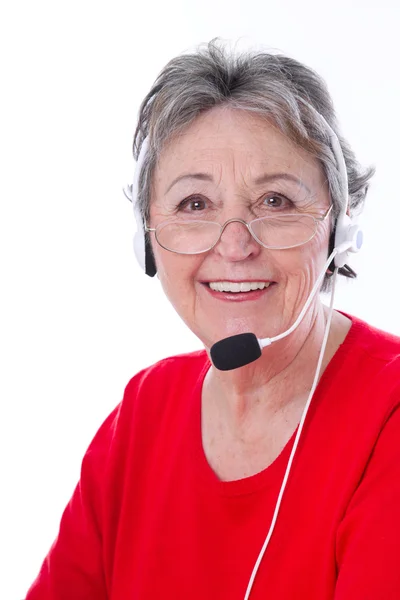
(188, 237)
(284, 231)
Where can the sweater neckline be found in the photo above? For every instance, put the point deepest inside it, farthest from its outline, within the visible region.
(273, 473)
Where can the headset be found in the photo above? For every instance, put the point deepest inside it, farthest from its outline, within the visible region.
(347, 236)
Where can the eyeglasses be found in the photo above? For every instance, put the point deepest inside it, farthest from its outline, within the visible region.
(279, 232)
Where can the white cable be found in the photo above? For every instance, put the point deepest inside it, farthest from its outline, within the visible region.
(295, 444)
(268, 341)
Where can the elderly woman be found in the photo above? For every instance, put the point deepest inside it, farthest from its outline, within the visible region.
(267, 465)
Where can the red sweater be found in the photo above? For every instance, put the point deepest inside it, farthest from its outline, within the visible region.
(149, 520)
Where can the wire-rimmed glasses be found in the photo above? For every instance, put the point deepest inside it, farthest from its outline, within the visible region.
(278, 232)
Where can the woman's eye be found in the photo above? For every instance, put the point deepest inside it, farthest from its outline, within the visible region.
(275, 201)
(193, 204)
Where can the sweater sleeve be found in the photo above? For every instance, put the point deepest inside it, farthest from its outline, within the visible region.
(368, 540)
(73, 567)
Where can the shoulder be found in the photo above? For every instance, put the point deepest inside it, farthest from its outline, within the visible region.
(371, 352)
(151, 398)
(168, 384)
(375, 342)
(179, 370)
(365, 372)
(377, 354)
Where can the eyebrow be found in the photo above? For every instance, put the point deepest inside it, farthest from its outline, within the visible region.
(197, 176)
(266, 178)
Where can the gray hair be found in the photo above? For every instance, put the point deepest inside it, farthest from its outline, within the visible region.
(280, 88)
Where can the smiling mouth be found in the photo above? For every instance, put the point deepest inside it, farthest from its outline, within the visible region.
(235, 287)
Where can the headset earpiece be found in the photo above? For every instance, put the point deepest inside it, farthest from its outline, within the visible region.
(150, 262)
(138, 238)
(348, 239)
(141, 242)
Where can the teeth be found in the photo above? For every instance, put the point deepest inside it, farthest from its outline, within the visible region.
(243, 286)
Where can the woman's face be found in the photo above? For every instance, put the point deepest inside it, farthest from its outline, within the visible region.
(232, 164)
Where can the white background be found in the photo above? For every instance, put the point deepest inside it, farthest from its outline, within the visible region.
(78, 318)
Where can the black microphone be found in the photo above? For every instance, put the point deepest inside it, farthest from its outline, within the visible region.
(235, 351)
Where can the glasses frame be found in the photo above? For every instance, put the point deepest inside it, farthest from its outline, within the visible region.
(248, 225)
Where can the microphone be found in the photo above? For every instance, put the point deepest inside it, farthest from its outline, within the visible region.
(235, 351)
(242, 349)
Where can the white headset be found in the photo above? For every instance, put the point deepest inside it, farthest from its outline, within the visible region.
(348, 235)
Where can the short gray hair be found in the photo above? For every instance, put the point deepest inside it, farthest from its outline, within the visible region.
(280, 88)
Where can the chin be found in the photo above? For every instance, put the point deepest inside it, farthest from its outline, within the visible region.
(237, 326)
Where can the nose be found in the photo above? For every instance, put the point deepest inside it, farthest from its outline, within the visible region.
(236, 242)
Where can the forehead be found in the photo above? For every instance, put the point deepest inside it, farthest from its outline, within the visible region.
(228, 142)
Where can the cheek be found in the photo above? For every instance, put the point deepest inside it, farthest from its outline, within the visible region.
(302, 265)
(315, 253)
(176, 273)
